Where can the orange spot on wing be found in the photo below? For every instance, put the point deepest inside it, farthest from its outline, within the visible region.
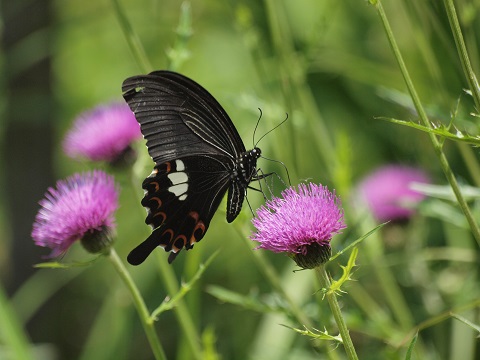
(157, 199)
(163, 215)
(195, 235)
(157, 185)
(194, 215)
(168, 167)
(176, 248)
(200, 225)
(168, 231)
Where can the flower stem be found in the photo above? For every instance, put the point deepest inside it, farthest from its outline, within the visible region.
(437, 145)
(147, 321)
(271, 274)
(169, 279)
(14, 337)
(337, 313)
(181, 310)
(462, 52)
(132, 39)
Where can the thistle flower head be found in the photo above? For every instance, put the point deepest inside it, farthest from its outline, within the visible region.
(300, 223)
(79, 208)
(388, 194)
(104, 133)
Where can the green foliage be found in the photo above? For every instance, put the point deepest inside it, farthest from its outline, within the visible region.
(411, 346)
(336, 285)
(440, 130)
(317, 334)
(329, 66)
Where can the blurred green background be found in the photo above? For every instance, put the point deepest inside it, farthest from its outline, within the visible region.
(329, 66)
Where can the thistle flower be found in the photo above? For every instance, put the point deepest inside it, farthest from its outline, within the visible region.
(387, 192)
(104, 133)
(300, 223)
(79, 208)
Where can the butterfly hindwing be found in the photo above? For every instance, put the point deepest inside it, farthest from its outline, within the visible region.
(181, 197)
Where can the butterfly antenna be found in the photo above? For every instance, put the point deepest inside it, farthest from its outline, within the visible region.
(256, 126)
(269, 131)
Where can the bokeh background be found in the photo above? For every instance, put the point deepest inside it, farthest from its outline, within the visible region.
(328, 65)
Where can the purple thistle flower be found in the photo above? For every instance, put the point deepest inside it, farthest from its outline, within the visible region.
(104, 133)
(80, 207)
(301, 223)
(387, 192)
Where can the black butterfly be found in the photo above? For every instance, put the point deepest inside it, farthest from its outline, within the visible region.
(198, 156)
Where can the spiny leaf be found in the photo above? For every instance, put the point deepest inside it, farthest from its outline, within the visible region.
(337, 284)
(440, 130)
(319, 335)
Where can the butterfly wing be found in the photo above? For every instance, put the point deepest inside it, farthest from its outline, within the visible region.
(181, 198)
(195, 147)
(179, 118)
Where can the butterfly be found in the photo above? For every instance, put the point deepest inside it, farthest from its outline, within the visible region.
(198, 156)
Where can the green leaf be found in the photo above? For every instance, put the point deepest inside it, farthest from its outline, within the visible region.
(356, 242)
(408, 356)
(440, 130)
(59, 265)
(337, 284)
(319, 335)
(246, 301)
(170, 303)
(467, 322)
(445, 191)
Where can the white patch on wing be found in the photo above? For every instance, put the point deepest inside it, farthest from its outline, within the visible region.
(179, 190)
(179, 180)
(178, 177)
(180, 165)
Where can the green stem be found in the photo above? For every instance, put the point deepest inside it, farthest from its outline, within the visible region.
(272, 276)
(462, 51)
(179, 53)
(147, 322)
(424, 118)
(337, 313)
(133, 41)
(393, 294)
(296, 91)
(169, 279)
(13, 335)
(181, 310)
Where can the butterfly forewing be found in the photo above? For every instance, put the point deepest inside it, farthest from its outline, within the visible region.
(198, 155)
(180, 118)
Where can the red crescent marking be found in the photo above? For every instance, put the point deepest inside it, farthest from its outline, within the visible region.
(163, 215)
(194, 215)
(200, 225)
(157, 185)
(175, 248)
(157, 199)
(170, 231)
(169, 167)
